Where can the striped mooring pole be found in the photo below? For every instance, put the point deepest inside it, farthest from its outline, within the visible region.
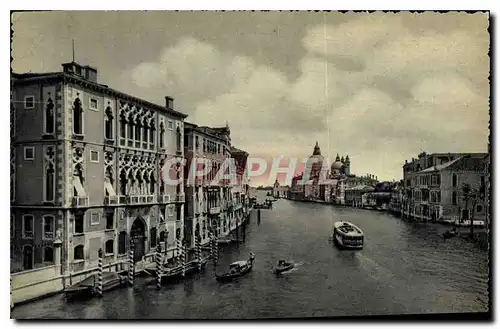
(211, 238)
(184, 258)
(198, 251)
(99, 273)
(131, 264)
(178, 252)
(159, 266)
(11, 299)
(216, 249)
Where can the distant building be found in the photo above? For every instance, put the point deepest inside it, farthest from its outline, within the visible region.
(205, 202)
(433, 186)
(355, 196)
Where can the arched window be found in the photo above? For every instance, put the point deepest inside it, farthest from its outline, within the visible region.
(145, 134)
(162, 236)
(108, 123)
(123, 182)
(131, 183)
(152, 130)
(138, 176)
(27, 257)
(49, 117)
(78, 181)
(49, 183)
(162, 135)
(454, 198)
(109, 247)
(122, 243)
(130, 131)
(48, 227)
(77, 117)
(48, 255)
(152, 237)
(138, 134)
(454, 180)
(78, 253)
(152, 183)
(123, 128)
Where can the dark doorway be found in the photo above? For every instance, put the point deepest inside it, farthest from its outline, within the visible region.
(27, 258)
(138, 234)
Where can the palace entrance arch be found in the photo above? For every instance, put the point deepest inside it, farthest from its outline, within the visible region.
(138, 235)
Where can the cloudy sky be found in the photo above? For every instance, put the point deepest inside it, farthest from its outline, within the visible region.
(379, 87)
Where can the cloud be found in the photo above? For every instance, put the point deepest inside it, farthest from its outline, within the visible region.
(375, 87)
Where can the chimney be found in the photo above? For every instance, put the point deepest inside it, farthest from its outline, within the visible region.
(169, 102)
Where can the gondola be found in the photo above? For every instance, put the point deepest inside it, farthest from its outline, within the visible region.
(237, 269)
(88, 287)
(283, 266)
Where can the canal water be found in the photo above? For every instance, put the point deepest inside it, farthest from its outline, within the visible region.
(404, 268)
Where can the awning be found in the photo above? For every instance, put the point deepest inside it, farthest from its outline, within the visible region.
(77, 184)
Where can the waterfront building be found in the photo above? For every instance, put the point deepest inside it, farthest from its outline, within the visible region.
(85, 173)
(206, 199)
(239, 203)
(280, 191)
(356, 196)
(396, 198)
(433, 186)
(296, 191)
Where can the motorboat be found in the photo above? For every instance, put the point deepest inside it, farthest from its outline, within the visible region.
(347, 235)
(237, 269)
(283, 266)
(88, 287)
(450, 234)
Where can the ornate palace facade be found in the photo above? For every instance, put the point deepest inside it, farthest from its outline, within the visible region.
(85, 172)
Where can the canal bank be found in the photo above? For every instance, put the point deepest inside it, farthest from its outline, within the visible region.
(404, 268)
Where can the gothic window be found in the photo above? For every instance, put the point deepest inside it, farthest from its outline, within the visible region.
(49, 182)
(108, 123)
(454, 198)
(130, 132)
(131, 183)
(49, 117)
(78, 189)
(152, 130)
(122, 243)
(78, 253)
(77, 117)
(145, 133)
(162, 135)
(152, 233)
(139, 181)
(123, 182)
(138, 134)
(48, 227)
(123, 128)
(109, 247)
(48, 255)
(152, 183)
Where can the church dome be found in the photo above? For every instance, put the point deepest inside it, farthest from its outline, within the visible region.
(337, 165)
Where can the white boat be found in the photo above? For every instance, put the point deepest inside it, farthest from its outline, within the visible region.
(348, 235)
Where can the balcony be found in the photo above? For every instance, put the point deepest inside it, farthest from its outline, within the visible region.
(111, 200)
(123, 199)
(180, 198)
(164, 198)
(214, 210)
(80, 201)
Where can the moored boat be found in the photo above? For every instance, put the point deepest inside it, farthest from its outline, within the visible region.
(88, 287)
(283, 266)
(237, 269)
(177, 272)
(348, 235)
